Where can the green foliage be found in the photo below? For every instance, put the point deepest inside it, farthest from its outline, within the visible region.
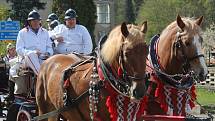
(137, 5)
(86, 11)
(3, 12)
(119, 11)
(160, 13)
(60, 6)
(205, 97)
(21, 8)
(127, 10)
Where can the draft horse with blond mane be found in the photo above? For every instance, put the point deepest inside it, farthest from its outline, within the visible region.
(108, 87)
(176, 61)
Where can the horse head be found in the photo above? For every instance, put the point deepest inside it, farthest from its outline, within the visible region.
(125, 50)
(186, 53)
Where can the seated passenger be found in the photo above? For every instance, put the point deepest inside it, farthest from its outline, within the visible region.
(10, 60)
(50, 19)
(72, 37)
(33, 43)
(52, 25)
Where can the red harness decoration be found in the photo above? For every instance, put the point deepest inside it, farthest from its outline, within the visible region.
(119, 106)
(172, 101)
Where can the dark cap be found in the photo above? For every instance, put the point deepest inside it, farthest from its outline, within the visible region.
(33, 15)
(70, 13)
(52, 17)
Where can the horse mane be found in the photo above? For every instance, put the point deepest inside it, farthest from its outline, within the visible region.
(173, 28)
(111, 48)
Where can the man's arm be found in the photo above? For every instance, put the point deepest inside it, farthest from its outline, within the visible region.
(49, 45)
(87, 45)
(20, 46)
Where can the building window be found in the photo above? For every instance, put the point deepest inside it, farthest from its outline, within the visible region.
(103, 13)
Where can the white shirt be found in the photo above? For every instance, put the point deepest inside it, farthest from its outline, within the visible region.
(28, 41)
(75, 39)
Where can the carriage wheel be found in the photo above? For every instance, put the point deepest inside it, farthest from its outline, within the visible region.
(12, 112)
(23, 116)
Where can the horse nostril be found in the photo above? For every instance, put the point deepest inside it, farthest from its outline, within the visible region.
(138, 93)
(202, 76)
(135, 93)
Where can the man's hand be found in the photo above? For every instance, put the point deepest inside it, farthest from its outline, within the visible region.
(38, 52)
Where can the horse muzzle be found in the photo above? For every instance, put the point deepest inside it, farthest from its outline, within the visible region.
(138, 90)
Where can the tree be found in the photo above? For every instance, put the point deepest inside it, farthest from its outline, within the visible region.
(119, 11)
(3, 12)
(86, 11)
(129, 12)
(166, 11)
(60, 6)
(137, 5)
(21, 8)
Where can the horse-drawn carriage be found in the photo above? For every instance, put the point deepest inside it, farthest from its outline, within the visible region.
(113, 85)
(13, 109)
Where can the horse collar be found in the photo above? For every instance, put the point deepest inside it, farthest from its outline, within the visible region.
(177, 81)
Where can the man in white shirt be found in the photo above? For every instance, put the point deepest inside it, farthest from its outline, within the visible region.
(33, 42)
(52, 25)
(72, 37)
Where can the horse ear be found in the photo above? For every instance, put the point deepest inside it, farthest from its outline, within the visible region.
(199, 21)
(180, 23)
(144, 27)
(124, 29)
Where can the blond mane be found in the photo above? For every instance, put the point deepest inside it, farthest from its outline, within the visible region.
(173, 28)
(110, 49)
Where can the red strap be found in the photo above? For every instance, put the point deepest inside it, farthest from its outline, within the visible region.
(66, 83)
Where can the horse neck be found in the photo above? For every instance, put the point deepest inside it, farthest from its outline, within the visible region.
(114, 66)
(167, 59)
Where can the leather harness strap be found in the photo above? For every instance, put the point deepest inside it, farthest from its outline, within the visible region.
(70, 102)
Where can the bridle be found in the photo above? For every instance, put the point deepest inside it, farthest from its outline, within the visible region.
(126, 76)
(123, 82)
(186, 60)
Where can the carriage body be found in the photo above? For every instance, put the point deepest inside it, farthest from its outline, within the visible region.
(24, 105)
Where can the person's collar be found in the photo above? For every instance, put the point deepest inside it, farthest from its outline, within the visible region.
(35, 30)
(71, 27)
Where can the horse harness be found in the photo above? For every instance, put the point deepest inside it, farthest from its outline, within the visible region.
(70, 102)
(178, 82)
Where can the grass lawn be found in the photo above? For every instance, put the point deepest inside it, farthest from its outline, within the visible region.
(205, 97)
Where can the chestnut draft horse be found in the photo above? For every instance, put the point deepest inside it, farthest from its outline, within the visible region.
(177, 61)
(109, 87)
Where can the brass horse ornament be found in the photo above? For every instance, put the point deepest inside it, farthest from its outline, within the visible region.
(176, 61)
(108, 87)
